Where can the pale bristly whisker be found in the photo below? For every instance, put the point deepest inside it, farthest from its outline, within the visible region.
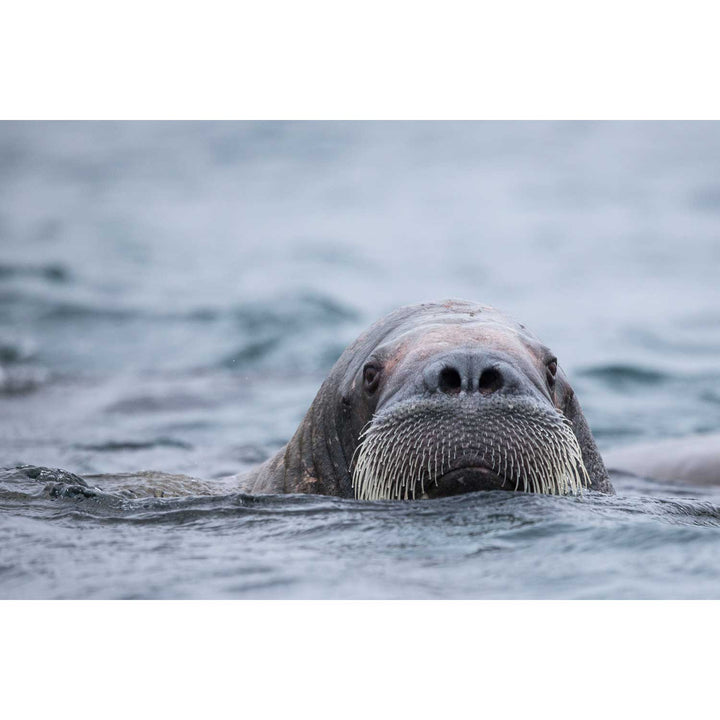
(404, 450)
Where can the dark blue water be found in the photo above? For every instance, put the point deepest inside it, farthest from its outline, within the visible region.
(172, 295)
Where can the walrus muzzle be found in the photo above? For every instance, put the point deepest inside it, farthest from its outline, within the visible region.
(443, 445)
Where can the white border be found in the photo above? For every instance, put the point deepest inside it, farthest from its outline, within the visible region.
(371, 60)
(331, 60)
(358, 659)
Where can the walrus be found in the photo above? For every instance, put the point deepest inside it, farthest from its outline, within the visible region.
(439, 399)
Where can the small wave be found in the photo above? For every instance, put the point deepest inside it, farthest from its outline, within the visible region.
(711, 396)
(21, 379)
(31, 303)
(250, 353)
(51, 272)
(271, 326)
(159, 404)
(613, 432)
(250, 454)
(16, 351)
(120, 446)
(162, 497)
(706, 197)
(294, 312)
(621, 376)
(692, 337)
(77, 311)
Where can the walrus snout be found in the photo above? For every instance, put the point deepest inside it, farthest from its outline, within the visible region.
(447, 445)
(473, 370)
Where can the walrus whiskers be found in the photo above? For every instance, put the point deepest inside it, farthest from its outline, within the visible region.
(404, 450)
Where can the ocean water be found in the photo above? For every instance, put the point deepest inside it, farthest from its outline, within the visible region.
(173, 294)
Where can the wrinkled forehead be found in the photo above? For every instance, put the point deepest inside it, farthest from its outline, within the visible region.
(480, 326)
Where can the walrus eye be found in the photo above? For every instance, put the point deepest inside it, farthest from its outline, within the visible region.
(371, 378)
(551, 371)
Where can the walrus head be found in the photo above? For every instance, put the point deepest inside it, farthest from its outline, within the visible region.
(440, 399)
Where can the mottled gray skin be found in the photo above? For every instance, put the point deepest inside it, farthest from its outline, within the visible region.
(406, 348)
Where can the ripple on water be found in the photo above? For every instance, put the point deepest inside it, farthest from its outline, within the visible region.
(288, 323)
(51, 272)
(619, 377)
(493, 544)
(21, 379)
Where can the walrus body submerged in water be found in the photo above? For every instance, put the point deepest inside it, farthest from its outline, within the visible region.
(433, 400)
(439, 399)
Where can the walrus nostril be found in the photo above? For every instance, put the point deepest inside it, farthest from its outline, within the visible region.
(490, 381)
(449, 381)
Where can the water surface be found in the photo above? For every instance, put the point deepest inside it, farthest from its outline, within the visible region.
(172, 295)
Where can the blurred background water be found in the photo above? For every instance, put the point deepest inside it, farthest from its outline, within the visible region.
(172, 295)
